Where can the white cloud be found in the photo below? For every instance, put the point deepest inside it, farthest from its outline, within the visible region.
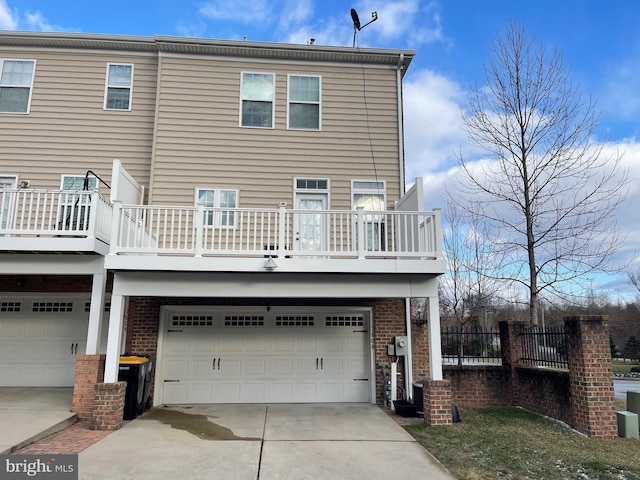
(412, 20)
(36, 21)
(433, 122)
(8, 18)
(245, 11)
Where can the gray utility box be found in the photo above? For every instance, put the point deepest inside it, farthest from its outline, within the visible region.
(402, 345)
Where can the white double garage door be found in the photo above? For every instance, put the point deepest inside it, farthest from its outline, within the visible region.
(264, 356)
(40, 337)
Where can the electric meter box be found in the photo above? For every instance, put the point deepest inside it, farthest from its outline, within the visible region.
(402, 345)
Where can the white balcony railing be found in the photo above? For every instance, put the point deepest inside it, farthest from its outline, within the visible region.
(280, 232)
(55, 213)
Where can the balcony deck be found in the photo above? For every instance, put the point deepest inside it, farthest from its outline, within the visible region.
(186, 238)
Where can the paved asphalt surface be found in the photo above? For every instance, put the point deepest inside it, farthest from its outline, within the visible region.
(622, 386)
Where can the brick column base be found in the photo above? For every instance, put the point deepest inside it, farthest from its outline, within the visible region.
(593, 400)
(437, 402)
(108, 406)
(89, 371)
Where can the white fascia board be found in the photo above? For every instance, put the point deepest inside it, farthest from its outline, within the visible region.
(50, 264)
(59, 244)
(284, 265)
(272, 285)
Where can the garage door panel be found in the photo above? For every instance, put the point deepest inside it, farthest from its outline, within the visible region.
(231, 367)
(10, 329)
(9, 352)
(230, 392)
(272, 359)
(255, 367)
(39, 341)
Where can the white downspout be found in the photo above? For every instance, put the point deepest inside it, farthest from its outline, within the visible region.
(408, 375)
(400, 125)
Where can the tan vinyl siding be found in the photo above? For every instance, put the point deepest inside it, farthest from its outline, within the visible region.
(199, 142)
(67, 131)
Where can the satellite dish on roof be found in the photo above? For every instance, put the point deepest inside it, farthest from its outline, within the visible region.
(356, 23)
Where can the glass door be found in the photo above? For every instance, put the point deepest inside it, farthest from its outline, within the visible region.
(311, 223)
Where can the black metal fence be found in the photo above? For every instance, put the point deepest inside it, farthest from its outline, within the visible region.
(544, 347)
(463, 346)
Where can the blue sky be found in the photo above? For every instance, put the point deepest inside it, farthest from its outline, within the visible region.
(599, 38)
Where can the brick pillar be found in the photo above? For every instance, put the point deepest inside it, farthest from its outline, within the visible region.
(511, 354)
(590, 377)
(108, 406)
(89, 371)
(437, 402)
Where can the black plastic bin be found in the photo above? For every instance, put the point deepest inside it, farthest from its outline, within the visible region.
(133, 370)
(145, 404)
(418, 399)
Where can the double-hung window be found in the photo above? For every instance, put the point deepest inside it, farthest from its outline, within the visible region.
(257, 98)
(74, 209)
(16, 84)
(118, 86)
(370, 195)
(304, 96)
(224, 201)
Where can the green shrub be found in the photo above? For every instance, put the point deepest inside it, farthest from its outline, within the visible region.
(635, 369)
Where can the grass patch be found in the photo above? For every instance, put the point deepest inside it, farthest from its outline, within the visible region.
(512, 443)
(622, 367)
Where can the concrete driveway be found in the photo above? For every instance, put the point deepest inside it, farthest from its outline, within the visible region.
(265, 442)
(28, 414)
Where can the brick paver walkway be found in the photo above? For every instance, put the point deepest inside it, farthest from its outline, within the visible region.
(71, 440)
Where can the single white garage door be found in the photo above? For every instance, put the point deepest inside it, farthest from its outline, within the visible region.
(39, 339)
(272, 357)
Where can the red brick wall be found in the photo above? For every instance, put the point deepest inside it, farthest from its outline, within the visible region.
(479, 386)
(49, 283)
(108, 406)
(89, 371)
(593, 397)
(437, 402)
(546, 392)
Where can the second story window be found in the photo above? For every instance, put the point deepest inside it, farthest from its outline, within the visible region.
(257, 97)
(16, 83)
(304, 102)
(118, 87)
(370, 195)
(218, 198)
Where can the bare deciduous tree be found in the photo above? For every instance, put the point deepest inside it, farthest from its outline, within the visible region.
(469, 284)
(544, 187)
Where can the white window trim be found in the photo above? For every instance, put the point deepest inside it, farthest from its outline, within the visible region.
(216, 204)
(319, 102)
(33, 75)
(301, 191)
(273, 102)
(13, 178)
(355, 190)
(107, 87)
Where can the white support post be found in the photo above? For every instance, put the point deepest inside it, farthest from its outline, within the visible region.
(437, 220)
(435, 349)
(93, 213)
(115, 227)
(95, 312)
(114, 340)
(199, 229)
(360, 232)
(282, 223)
